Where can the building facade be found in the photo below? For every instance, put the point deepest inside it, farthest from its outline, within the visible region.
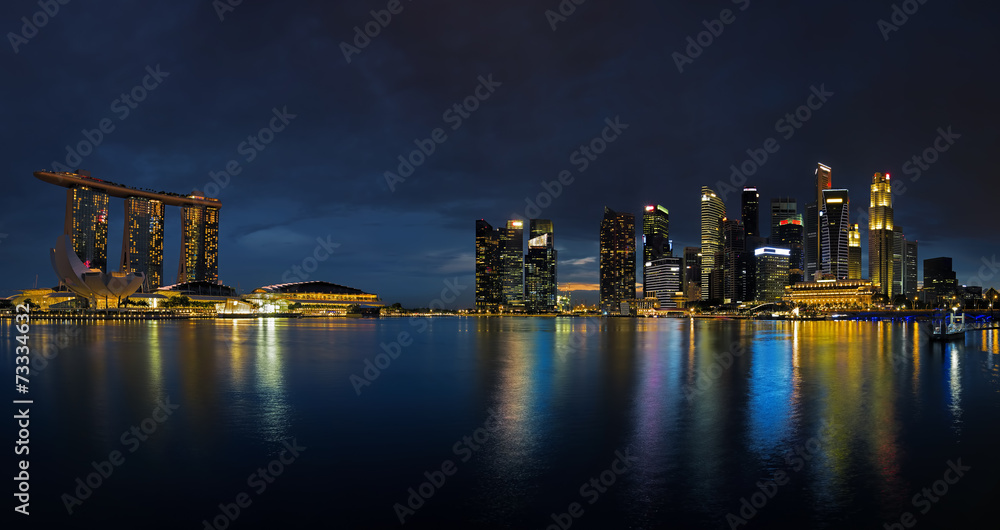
(488, 284)
(940, 282)
(835, 233)
(617, 266)
(782, 208)
(712, 212)
(512, 264)
(142, 245)
(540, 285)
(750, 206)
(880, 235)
(854, 253)
(664, 279)
(734, 261)
(789, 235)
(199, 244)
(87, 225)
(910, 269)
(655, 238)
(771, 265)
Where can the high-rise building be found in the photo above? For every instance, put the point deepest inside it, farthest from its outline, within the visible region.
(898, 259)
(750, 203)
(771, 265)
(910, 269)
(87, 224)
(811, 242)
(835, 233)
(488, 288)
(789, 235)
(540, 286)
(664, 278)
(782, 208)
(617, 260)
(655, 237)
(692, 272)
(940, 282)
(512, 264)
(142, 245)
(712, 212)
(734, 262)
(199, 244)
(824, 181)
(854, 253)
(880, 238)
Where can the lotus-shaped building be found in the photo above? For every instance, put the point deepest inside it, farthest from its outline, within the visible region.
(90, 283)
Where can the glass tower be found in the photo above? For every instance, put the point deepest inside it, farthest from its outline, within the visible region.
(712, 212)
(512, 263)
(617, 260)
(750, 206)
(835, 233)
(854, 253)
(880, 238)
(655, 238)
(487, 267)
(142, 245)
(540, 286)
(199, 244)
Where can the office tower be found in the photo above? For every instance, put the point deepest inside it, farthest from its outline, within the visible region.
(142, 244)
(87, 224)
(655, 237)
(789, 235)
(692, 273)
(712, 212)
(940, 283)
(540, 286)
(734, 261)
(512, 264)
(750, 200)
(664, 278)
(898, 259)
(835, 233)
(488, 292)
(811, 241)
(854, 253)
(880, 239)
(617, 260)
(782, 208)
(824, 181)
(199, 244)
(771, 265)
(910, 269)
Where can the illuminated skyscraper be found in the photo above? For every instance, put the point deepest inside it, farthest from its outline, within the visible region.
(664, 279)
(880, 238)
(617, 260)
(87, 224)
(692, 273)
(854, 253)
(734, 261)
(142, 243)
(898, 259)
(512, 263)
(772, 273)
(910, 269)
(814, 230)
(835, 233)
(540, 286)
(712, 212)
(488, 279)
(199, 244)
(782, 208)
(655, 238)
(750, 207)
(789, 235)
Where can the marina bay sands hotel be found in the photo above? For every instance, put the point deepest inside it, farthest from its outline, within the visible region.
(142, 240)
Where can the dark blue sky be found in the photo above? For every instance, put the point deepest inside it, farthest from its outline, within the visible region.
(322, 175)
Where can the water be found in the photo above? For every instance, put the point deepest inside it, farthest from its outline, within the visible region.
(852, 418)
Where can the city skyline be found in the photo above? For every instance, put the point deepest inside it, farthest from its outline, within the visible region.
(322, 175)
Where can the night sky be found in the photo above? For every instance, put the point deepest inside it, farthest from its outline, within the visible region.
(547, 92)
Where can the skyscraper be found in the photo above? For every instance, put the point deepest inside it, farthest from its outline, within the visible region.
(655, 238)
(488, 291)
(734, 261)
(771, 265)
(665, 278)
(540, 286)
(87, 224)
(712, 212)
(789, 236)
(811, 241)
(835, 233)
(750, 202)
(512, 264)
(854, 253)
(617, 260)
(880, 238)
(692, 272)
(142, 245)
(940, 283)
(782, 208)
(199, 244)
(898, 259)
(910, 269)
